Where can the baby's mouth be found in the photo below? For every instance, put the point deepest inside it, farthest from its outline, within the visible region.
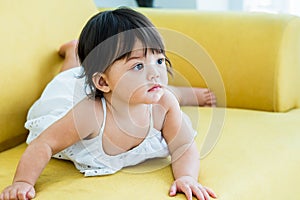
(154, 88)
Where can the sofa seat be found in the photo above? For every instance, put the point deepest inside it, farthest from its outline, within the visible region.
(249, 145)
(248, 161)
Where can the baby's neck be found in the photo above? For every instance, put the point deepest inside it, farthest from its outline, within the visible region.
(135, 113)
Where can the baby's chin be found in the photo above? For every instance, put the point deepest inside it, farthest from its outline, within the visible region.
(148, 97)
(155, 96)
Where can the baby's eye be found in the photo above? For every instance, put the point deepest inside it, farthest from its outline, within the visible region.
(160, 61)
(138, 67)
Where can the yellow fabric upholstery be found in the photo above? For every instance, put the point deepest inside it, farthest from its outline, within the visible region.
(261, 48)
(249, 146)
(256, 157)
(31, 33)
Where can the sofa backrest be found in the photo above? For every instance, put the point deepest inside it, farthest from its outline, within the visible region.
(31, 33)
(256, 54)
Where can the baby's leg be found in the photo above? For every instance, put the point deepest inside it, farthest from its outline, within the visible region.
(68, 52)
(192, 96)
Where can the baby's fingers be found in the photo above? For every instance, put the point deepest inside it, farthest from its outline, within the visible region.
(199, 193)
(20, 191)
(187, 191)
(210, 192)
(173, 190)
(15, 193)
(181, 188)
(8, 193)
(31, 193)
(21, 195)
(24, 194)
(2, 195)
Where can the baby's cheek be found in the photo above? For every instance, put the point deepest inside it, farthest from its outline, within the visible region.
(164, 79)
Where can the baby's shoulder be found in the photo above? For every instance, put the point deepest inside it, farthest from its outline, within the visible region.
(90, 107)
(88, 114)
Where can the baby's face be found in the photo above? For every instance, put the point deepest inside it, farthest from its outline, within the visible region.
(140, 78)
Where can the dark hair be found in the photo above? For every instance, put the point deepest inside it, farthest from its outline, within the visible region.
(109, 36)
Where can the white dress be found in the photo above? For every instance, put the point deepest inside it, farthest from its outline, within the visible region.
(60, 95)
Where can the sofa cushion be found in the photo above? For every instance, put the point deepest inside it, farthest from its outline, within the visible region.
(255, 157)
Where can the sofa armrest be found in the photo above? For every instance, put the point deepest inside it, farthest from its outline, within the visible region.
(31, 33)
(257, 54)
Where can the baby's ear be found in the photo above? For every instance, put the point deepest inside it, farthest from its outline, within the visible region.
(99, 80)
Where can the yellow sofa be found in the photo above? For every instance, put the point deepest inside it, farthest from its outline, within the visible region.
(249, 145)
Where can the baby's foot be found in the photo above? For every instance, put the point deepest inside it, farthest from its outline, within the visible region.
(206, 97)
(68, 52)
(68, 49)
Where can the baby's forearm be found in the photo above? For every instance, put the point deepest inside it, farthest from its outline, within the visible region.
(32, 163)
(186, 162)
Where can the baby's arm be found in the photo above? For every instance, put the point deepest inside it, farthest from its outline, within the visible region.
(57, 137)
(185, 157)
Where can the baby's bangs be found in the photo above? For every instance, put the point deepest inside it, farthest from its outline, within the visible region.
(125, 41)
(151, 39)
(148, 36)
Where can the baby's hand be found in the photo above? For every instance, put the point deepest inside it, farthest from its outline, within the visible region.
(18, 190)
(189, 186)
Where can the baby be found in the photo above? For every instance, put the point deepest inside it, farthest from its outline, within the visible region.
(125, 115)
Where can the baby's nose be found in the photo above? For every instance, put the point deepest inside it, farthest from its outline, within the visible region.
(153, 72)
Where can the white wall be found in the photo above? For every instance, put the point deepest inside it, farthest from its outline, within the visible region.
(294, 7)
(214, 5)
(115, 3)
(274, 6)
(182, 4)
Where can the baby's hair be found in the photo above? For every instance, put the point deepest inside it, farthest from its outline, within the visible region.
(110, 36)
